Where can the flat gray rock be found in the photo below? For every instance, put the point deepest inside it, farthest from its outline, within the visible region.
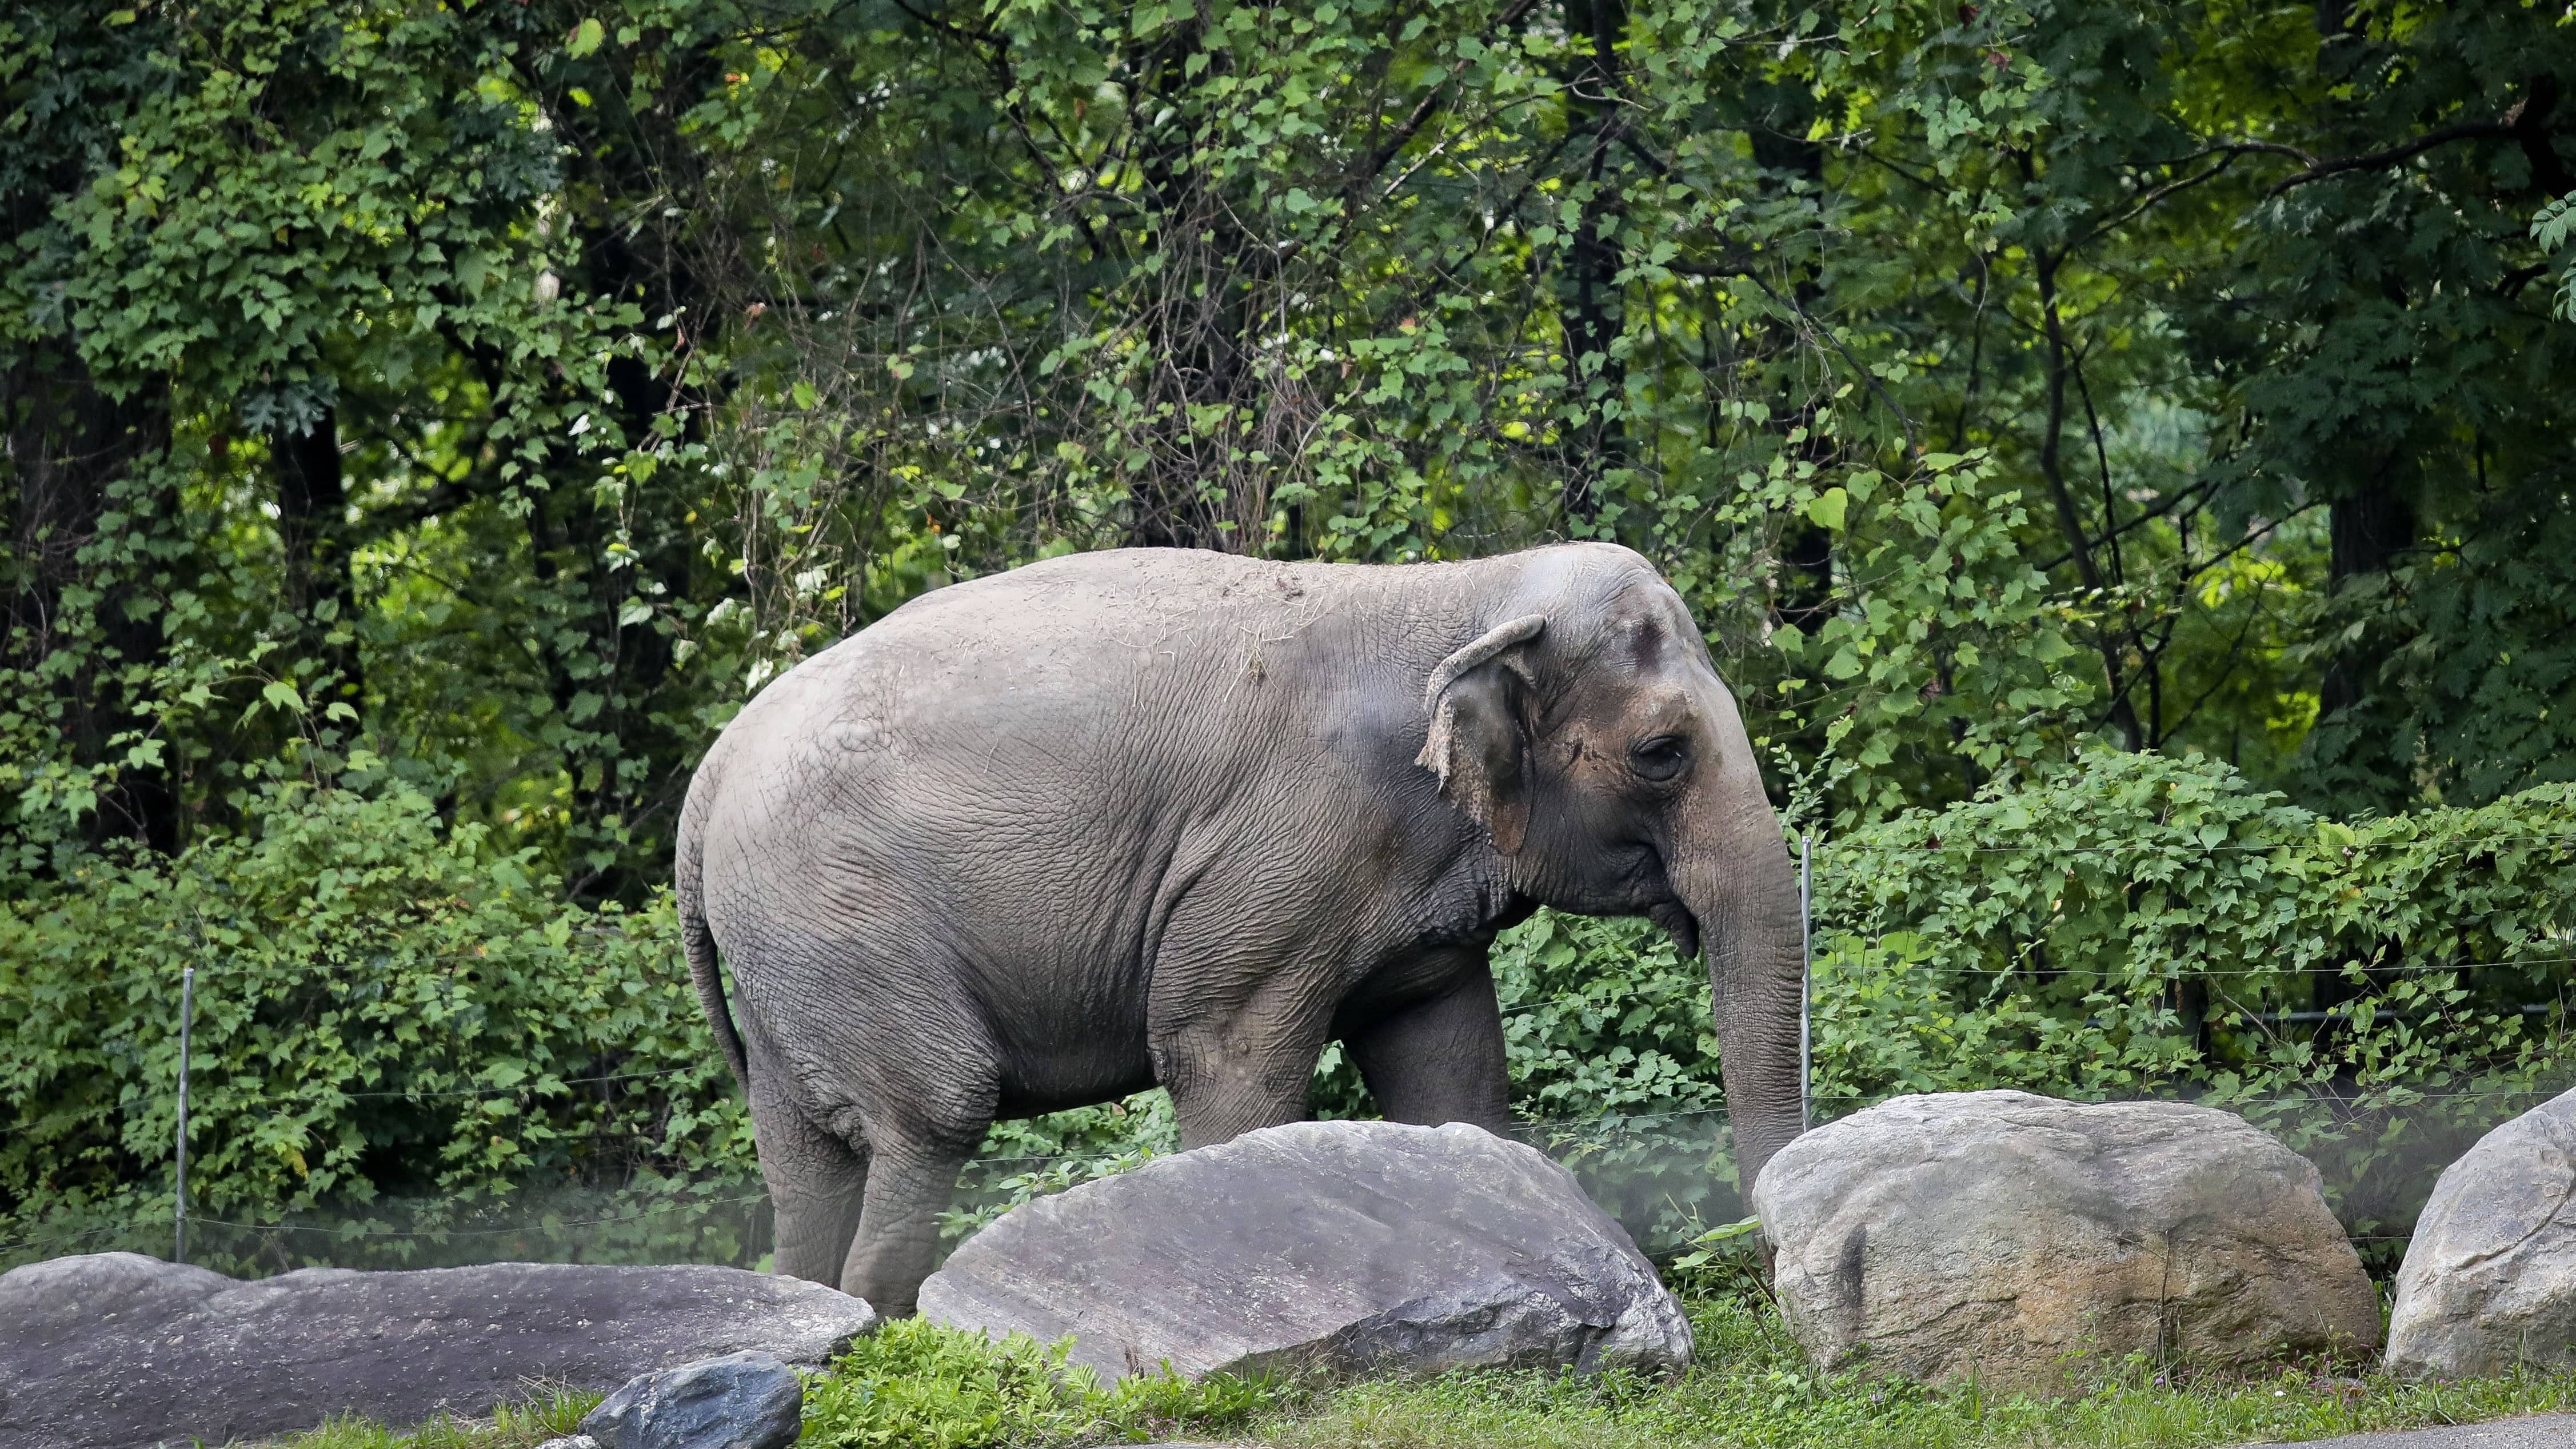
(1339, 1247)
(2490, 1276)
(2018, 1240)
(120, 1351)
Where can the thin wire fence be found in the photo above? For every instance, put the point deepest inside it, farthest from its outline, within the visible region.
(1666, 1175)
(172, 981)
(2466, 845)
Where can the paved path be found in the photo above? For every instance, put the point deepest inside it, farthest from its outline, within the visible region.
(2550, 1431)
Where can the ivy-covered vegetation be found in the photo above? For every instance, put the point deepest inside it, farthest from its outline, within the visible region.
(2119, 453)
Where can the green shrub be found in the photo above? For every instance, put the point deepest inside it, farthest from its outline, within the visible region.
(920, 1385)
(388, 1008)
(2125, 925)
(382, 1007)
(2139, 925)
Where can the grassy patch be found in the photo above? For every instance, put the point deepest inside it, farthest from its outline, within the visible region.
(522, 1426)
(1753, 1390)
(918, 1386)
(915, 1385)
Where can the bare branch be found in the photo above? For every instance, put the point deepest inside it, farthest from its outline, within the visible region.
(1429, 105)
(2373, 160)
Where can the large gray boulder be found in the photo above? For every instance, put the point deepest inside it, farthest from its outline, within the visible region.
(1333, 1247)
(120, 1351)
(2490, 1278)
(2020, 1241)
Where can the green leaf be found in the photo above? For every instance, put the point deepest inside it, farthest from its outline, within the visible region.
(1828, 508)
(586, 38)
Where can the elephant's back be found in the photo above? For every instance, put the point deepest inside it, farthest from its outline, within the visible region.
(1017, 759)
(1160, 656)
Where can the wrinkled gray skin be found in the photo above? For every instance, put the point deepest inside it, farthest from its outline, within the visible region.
(1161, 816)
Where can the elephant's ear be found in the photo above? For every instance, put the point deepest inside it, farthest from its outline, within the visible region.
(1476, 746)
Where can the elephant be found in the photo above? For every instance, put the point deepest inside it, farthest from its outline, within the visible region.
(1055, 835)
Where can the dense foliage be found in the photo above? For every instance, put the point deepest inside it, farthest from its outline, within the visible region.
(379, 1004)
(2072, 420)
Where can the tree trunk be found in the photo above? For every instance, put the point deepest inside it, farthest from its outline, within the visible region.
(1780, 147)
(313, 528)
(610, 676)
(2368, 528)
(1190, 493)
(76, 455)
(1593, 308)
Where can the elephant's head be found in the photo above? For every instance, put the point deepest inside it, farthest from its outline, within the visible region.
(1592, 739)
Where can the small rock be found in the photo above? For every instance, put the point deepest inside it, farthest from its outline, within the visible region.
(2013, 1239)
(740, 1401)
(1343, 1247)
(2489, 1281)
(120, 1351)
(571, 1441)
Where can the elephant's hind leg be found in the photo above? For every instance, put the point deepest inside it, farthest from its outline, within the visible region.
(913, 1179)
(817, 1182)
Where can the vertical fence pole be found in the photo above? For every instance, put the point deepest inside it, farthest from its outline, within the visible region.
(187, 1018)
(1806, 987)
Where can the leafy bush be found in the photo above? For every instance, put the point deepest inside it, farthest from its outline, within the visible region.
(2140, 922)
(997, 1194)
(920, 1385)
(1604, 1017)
(381, 1007)
(2376, 992)
(387, 1008)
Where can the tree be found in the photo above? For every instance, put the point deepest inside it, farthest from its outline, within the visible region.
(491, 397)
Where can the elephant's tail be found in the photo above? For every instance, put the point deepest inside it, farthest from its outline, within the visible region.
(687, 885)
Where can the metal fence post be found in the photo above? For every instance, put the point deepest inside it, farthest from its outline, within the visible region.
(187, 1018)
(1806, 987)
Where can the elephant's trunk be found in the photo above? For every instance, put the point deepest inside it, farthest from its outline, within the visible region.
(1734, 874)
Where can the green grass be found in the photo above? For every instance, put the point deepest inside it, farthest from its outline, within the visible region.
(1752, 1388)
(917, 1386)
(520, 1426)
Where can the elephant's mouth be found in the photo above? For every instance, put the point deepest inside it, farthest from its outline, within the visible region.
(1679, 923)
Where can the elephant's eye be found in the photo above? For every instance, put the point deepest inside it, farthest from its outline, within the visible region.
(1660, 758)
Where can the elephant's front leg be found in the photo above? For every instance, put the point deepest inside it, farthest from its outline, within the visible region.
(1237, 1061)
(1439, 1060)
